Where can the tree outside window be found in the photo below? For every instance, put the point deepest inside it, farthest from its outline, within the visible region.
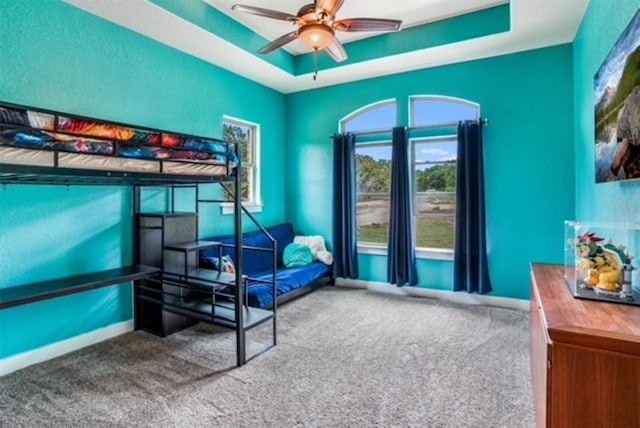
(434, 166)
(435, 192)
(373, 170)
(245, 135)
(434, 121)
(373, 187)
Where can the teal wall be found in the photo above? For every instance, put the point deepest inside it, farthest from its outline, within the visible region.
(58, 57)
(600, 29)
(529, 156)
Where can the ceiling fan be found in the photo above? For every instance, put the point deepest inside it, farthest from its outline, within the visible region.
(317, 25)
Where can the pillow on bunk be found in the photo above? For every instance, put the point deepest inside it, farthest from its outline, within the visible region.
(297, 255)
(227, 263)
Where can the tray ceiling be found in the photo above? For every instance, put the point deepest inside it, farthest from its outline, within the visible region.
(190, 26)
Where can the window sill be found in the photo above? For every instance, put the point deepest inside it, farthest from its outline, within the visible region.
(228, 208)
(421, 253)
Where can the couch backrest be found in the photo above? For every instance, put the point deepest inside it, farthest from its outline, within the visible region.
(254, 261)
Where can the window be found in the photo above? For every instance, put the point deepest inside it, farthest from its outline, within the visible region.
(434, 166)
(435, 191)
(247, 135)
(373, 169)
(441, 111)
(373, 187)
(379, 116)
(433, 122)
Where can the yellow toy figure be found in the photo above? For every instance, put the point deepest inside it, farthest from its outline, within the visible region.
(603, 265)
(588, 249)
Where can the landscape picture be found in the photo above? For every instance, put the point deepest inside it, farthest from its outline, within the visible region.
(617, 109)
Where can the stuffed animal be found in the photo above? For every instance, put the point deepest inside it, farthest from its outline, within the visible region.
(602, 265)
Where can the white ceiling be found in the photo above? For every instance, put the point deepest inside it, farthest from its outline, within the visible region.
(534, 24)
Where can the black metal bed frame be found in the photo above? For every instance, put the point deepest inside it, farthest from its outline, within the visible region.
(12, 173)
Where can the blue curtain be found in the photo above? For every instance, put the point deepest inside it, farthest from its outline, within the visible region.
(345, 250)
(471, 270)
(401, 261)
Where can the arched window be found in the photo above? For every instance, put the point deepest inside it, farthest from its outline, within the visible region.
(373, 168)
(379, 116)
(434, 120)
(432, 110)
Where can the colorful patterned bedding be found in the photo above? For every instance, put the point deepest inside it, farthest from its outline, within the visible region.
(107, 146)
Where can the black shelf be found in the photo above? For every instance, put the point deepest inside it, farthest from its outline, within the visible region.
(207, 277)
(37, 291)
(192, 246)
(222, 313)
(167, 214)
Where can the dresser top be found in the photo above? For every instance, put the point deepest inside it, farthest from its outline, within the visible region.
(575, 321)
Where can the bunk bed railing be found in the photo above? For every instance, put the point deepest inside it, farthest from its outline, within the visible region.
(39, 146)
(263, 230)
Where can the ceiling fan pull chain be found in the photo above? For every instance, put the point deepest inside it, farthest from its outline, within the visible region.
(315, 63)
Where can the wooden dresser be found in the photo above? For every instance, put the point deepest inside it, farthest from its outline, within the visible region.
(585, 356)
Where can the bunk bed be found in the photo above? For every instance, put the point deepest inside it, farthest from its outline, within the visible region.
(40, 146)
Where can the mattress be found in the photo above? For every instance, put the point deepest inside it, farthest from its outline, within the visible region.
(35, 138)
(19, 156)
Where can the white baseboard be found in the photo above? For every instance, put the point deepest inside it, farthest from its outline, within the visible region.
(456, 297)
(26, 359)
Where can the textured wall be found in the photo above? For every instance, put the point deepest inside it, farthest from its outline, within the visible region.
(58, 57)
(600, 29)
(529, 156)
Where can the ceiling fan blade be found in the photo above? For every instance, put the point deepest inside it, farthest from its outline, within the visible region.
(336, 51)
(329, 6)
(267, 13)
(279, 42)
(367, 24)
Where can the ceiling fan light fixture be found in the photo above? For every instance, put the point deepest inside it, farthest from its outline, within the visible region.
(316, 36)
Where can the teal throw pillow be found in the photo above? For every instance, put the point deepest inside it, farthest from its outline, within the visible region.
(296, 255)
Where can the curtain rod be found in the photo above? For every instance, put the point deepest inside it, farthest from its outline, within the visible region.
(483, 120)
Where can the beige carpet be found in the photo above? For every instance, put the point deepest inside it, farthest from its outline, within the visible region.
(345, 358)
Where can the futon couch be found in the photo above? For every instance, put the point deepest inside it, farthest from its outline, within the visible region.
(258, 266)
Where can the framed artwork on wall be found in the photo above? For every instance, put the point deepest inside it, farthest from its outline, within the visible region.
(617, 109)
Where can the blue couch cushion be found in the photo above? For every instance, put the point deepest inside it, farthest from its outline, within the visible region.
(261, 295)
(253, 261)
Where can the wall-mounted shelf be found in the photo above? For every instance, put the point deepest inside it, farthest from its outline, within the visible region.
(37, 291)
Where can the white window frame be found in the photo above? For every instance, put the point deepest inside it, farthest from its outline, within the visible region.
(371, 248)
(421, 252)
(254, 201)
(376, 246)
(363, 110)
(413, 99)
(429, 252)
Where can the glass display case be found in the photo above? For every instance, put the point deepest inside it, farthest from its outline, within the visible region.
(600, 263)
